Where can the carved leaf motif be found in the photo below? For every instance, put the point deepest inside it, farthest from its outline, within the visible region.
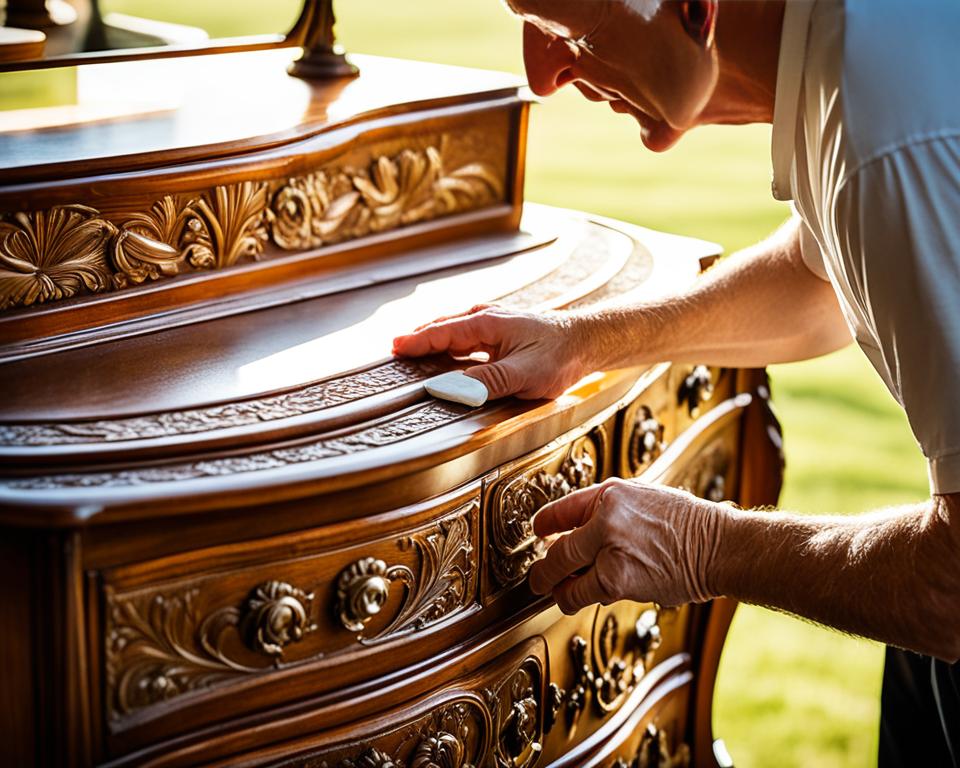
(149, 245)
(442, 583)
(232, 226)
(334, 205)
(53, 254)
(152, 652)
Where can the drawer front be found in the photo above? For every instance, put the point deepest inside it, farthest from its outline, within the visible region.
(522, 489)
(266, 614)
(508, 703)
(494, 720)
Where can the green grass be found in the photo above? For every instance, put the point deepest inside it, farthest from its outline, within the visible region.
(789, 693)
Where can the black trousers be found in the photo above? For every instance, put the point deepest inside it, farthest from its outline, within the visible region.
(919, 712)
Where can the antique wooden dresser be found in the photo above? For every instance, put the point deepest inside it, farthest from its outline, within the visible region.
(235, 531)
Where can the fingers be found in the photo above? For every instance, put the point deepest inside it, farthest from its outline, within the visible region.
(461, 335)
(577, 593)
(472, 311)
(566, 556)
(572, 511)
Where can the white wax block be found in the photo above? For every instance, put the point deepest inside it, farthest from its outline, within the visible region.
(457, 387)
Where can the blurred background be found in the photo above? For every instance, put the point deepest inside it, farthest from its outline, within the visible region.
(789, 693)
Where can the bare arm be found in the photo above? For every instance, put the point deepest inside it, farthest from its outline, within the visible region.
(893, 575)
(757, 307)
(760, 306)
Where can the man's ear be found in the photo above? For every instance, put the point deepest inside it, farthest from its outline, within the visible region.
(699, 18)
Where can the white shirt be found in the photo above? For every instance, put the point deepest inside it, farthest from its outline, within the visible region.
(866, 142)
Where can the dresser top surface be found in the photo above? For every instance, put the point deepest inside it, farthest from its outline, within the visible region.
(157, 112)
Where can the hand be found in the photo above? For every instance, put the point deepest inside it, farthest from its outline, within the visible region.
(628, 541)
(531, 356)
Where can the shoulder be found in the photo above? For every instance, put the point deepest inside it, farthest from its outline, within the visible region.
(898, 75)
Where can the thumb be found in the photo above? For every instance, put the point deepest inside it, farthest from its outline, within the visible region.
(501, 378)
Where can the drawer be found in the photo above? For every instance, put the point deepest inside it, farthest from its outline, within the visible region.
(492, 705)
(280, 618)
(522, 488)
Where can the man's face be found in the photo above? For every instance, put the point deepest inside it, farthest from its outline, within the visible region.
(644, 65)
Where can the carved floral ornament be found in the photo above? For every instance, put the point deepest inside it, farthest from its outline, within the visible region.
(69, 250)
(163, 644)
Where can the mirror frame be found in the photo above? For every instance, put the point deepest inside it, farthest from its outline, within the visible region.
(312, 31)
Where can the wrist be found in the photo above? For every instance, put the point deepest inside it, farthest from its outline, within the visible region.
(724, 553)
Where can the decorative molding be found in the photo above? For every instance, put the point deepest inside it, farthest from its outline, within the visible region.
(330, 206)
(424, 418)
(310, 399)
(513, 545)
(163, 644)
(69, 250)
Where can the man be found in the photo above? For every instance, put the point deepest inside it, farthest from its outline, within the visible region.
(865, 104)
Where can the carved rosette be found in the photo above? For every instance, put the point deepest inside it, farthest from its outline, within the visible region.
(443, 584)
(456, 735)
(646, 440)
(514, 547)
(69, 250)
(163, 644)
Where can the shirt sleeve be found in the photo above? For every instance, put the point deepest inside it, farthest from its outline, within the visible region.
(901, 245)
(810, 250)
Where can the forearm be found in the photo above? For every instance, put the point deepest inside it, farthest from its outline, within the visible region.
(757, 307)
(893, 576)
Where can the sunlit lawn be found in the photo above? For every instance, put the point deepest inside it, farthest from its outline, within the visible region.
(790, 693)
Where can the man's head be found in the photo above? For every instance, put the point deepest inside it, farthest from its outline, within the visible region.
(653, 59)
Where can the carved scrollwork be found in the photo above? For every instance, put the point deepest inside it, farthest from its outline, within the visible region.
(555, 698)
(442, 584)
(54, 254)
(614, 668)
(71, 249)
(646, 440)
(163, 645)
(516, 708)
(68, 250)
(514, 547)
(275, 615)
(454, 736)
(341, 204)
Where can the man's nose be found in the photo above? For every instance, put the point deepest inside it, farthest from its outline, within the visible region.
(548, 60)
